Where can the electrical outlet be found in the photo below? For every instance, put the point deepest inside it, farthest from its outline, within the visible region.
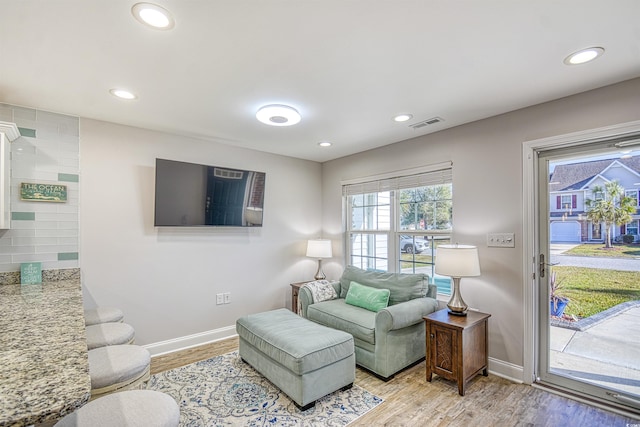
(227, 298)
(219, 299)
(501, 240)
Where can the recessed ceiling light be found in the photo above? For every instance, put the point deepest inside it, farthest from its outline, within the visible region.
(325, 144)
(278, 115)
(122, 94)
(153, 15)
(584, 55)
(402, 117)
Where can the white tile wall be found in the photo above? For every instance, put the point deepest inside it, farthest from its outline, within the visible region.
(54, 150)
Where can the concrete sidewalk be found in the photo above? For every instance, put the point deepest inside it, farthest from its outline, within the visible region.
(606, 354)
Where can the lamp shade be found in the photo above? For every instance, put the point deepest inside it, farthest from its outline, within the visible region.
(319, 249)
(457, 261)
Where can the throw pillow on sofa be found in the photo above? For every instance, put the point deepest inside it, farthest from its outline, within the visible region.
(321, 290)
(366, 297)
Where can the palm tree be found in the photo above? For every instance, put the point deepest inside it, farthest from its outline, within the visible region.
(610, 207)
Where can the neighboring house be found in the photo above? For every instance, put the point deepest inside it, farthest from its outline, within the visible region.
(571, 185)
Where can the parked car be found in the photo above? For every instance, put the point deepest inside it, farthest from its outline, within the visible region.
(411, 245)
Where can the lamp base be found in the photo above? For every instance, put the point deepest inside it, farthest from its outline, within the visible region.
(456, 304)
(320, 274)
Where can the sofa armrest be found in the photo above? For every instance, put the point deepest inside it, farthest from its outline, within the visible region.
(305, 299)
(405, 314)
(432, 291)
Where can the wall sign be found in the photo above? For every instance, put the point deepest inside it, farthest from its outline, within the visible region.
(43, 192)
(30, 272)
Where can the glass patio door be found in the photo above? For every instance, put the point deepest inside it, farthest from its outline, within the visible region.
(589, 351)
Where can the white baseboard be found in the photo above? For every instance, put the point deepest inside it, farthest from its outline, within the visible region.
(506, 370)
(189, 341)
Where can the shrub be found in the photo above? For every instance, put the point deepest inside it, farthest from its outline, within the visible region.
(628, 238)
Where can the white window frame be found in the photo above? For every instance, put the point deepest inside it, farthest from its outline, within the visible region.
(632, 194)
(392, 181)
(636, 226)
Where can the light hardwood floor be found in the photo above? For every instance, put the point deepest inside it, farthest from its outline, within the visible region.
(409, 400)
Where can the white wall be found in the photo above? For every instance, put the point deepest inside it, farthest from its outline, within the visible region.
(166, 279)
(487, 192)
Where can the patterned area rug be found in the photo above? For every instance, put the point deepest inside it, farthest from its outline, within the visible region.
(225, 391)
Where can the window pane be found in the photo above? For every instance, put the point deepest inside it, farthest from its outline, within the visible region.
(369, 251)
(371, 211)
(444, 283)
(426, 208)
(424, 261)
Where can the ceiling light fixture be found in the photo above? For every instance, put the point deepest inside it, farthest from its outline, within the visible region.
(278, 115)
(584, 55)
(153, 15)
(122, 94)
(325, 144)
(402, 117)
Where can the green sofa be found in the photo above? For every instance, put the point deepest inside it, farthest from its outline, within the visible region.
(385, 341)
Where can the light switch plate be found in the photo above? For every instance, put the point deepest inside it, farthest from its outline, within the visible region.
(501, 240)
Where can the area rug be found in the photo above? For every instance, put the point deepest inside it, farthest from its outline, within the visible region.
(225, 391)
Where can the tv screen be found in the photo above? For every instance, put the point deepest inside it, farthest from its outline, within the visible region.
(192, 195)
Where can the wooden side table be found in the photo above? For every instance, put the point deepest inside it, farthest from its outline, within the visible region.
(456, 346)
(295, 289)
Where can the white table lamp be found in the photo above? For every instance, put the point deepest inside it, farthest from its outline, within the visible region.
(319, 249)
(457, 261)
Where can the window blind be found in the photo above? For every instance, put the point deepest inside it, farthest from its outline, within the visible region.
(443, 175)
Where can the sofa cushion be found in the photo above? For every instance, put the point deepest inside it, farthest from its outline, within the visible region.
(402, 287)
(367, 297)
(339, 315)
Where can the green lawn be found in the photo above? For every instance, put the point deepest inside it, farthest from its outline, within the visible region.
(418, 258)
(618, 250)
(592, 290)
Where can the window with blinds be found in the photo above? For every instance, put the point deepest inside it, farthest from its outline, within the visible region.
(395, 223)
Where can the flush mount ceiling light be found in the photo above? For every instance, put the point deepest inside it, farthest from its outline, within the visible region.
(402, 117)
(584, 55)
(278, 115)
(325, 144)
(153, 15)
(122, 94)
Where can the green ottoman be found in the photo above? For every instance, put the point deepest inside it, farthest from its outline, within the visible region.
(303, 359)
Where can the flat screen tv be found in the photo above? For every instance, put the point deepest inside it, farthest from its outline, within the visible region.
(192, 195)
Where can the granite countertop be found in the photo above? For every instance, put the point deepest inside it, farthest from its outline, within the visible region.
(44, 369)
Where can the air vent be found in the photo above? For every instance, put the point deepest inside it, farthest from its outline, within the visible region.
(428, 122)
(227, 173)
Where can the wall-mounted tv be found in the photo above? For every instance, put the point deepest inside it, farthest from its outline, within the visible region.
(192, 195)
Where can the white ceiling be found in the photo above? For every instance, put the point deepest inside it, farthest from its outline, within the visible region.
(347, 66)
